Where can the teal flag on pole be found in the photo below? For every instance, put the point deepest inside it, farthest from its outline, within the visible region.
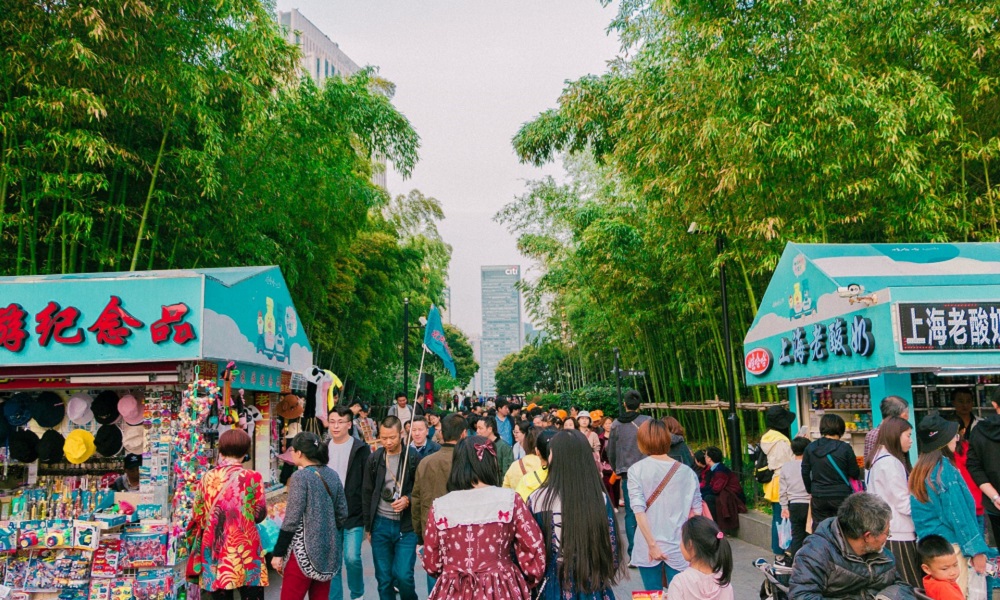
(434, 340)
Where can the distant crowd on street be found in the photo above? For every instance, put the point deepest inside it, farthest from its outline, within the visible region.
(501, 500)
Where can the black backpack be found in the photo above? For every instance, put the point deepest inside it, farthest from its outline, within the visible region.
(760, 471)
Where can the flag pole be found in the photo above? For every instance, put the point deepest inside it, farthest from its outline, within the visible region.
(406, 453)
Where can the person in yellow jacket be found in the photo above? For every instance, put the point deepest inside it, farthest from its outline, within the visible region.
(778, 447)
(532, 480)
(526, 464)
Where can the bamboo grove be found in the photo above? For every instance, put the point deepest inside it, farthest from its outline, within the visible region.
(165, 134)
(762, 122)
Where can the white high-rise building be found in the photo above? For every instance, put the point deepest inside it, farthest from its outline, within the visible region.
(502, 326)
(323, 58)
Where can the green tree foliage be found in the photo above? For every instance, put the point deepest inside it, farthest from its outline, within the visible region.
(763, 123)
(179, 134)
(523, 372)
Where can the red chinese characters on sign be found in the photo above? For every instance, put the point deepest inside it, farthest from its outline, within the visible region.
(172, 319)
(55, 322)
(12, 333)
(110, 326)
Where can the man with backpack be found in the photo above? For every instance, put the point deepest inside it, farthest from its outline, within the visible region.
(774, 451)
(623, 452)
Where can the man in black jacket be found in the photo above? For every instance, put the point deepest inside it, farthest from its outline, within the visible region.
(984, 463)
(846, 556)
(388, 486)
(348, 457)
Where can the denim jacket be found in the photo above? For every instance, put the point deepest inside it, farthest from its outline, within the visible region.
(950, 511)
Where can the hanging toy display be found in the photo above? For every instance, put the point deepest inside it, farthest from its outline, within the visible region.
(229, 414)
(192, 446)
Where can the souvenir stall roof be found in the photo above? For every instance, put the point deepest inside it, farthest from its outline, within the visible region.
(818, 284)
(244, 314)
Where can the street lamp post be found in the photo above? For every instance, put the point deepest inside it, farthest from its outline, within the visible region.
(732, 420)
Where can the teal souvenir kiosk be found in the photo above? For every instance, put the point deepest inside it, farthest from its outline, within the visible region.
(842, 326)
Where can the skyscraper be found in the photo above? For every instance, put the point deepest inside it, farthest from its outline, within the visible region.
(502, 327)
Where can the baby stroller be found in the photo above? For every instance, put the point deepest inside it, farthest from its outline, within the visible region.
(776, 578)
(775, 585)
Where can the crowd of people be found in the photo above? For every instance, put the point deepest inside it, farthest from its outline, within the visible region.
(515, 502)
(501, 501)
(905, 527)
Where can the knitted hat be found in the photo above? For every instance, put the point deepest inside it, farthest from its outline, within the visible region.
(108, 441)
(935, 432)
(23, 446)
(105, 407)
(50, 447)
(131, 409)
(78, 409)
(48, 409)
(17, 410)
(79, 446)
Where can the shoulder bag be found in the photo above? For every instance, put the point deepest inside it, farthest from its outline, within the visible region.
(663, 484)
(856, 485)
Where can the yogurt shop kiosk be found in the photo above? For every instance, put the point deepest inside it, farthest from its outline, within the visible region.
(841, 326)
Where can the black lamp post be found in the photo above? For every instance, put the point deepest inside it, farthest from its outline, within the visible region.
(732, 420)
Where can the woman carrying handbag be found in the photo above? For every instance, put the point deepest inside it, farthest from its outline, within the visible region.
(308, 557)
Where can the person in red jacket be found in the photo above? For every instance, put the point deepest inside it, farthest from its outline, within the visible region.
(961, 460)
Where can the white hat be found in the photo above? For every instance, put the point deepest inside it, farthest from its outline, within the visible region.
(583, 415)
(133, 438)
(78, 409)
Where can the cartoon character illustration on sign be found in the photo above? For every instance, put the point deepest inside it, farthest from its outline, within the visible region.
(269, 326)
(291, 322)
(800, 302)
(260, 322)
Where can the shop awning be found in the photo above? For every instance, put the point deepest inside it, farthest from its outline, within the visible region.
(244, 314)
(836, 310)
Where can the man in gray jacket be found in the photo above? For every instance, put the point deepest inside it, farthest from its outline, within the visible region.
(623, 452)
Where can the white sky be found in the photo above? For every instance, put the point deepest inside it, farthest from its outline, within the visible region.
(468, 73)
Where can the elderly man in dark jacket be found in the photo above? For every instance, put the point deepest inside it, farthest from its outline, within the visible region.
(846, 557)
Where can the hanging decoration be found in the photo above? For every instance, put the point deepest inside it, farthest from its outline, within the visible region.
(193, 448)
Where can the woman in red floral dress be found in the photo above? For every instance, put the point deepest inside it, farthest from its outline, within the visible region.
(481, 541)
(227, 507)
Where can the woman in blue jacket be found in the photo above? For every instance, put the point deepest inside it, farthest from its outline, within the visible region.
(940, 501)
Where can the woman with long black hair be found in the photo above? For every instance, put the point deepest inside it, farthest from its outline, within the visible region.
(583, 549)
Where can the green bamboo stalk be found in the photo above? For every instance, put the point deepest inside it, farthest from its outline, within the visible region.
(989, 197)
(156, 234)
(62, 218)
(4, 178)
(149, 195)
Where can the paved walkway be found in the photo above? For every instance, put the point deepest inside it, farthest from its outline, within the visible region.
(746, 579)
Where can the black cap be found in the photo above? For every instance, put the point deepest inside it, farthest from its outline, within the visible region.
(133, 461)
(108, 440)
(50, 447)
(24, 446)
(105, 407)
(778, 417)
(48, 409)
(935, 432)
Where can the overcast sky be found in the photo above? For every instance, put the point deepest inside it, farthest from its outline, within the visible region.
(468, 73)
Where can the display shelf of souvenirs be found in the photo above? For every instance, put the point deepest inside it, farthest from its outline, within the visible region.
(87, 560)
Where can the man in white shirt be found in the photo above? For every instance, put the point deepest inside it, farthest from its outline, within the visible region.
(401, 410)
(348, 456)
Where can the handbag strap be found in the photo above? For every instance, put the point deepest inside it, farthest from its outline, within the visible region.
(663, 484)
(841, 473)
(323, 481)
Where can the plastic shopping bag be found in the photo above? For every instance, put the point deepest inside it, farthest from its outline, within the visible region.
(268, 531)
(977, 585)
(784, 534)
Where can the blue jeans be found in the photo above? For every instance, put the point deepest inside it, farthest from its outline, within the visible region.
(652, 577)
(775, 520)
(630, 525)
(350, 548)
(394, 554)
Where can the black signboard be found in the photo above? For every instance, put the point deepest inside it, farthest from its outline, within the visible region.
(949, 326)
